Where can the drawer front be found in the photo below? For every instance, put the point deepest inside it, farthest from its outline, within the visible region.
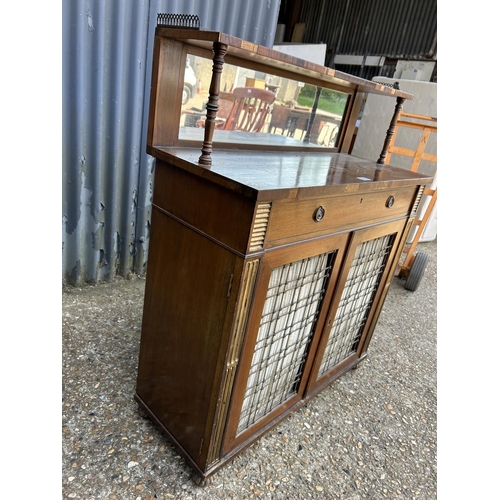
(291, 220)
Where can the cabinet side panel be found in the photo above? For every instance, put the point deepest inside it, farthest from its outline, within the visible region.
(213, 210)
(187, 290)
(168, 73)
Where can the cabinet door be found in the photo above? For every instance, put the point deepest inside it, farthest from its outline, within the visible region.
(366, 268)
(286, 317)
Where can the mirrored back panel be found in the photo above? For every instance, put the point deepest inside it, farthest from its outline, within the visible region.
(260, 108)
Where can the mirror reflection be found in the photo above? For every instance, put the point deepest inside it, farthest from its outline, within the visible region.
(260, 108)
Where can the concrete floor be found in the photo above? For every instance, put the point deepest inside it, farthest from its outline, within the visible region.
(371, 434)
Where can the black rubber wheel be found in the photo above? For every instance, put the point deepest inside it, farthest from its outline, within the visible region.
(416, 271)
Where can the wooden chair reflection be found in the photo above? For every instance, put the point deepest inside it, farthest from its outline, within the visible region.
(250, 109)
(226, 102)
(280, 118)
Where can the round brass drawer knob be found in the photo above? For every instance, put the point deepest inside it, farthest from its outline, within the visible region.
(390, 201)
(319, 214)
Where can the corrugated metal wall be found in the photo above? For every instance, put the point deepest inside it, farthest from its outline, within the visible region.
(107, 176)
(399, 29)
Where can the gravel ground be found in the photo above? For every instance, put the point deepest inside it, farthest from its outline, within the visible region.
(371, 434)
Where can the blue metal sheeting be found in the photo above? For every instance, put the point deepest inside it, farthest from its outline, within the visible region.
(107, 176)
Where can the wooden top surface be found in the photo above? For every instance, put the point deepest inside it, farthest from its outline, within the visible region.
(265, 175)
(273, 58)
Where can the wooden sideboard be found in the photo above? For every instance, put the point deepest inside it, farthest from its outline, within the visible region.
(269, 258)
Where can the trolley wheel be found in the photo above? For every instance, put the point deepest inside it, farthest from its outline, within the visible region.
(416, 271)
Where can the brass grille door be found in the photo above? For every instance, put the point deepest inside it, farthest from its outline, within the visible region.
(362, 282)
(274, 357)
(290, 312)
(365, 270)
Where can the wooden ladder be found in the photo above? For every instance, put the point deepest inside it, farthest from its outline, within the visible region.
(426, 125)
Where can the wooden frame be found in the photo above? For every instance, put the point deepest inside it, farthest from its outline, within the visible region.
(425, 125)
(174, 44)
(271, 261)
(229, 222)
(320, 381)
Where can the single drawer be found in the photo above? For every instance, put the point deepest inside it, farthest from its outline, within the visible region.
(292, 220)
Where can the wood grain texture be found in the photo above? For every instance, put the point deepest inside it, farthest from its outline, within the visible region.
(275, 59)
(293, 220)
(270, 261)
(186, 299)
(214, 210)
(220, 50)
(317, 380)
(220, 230)
(268, 176)
(352, 114)
(169, 61)
(243, 304)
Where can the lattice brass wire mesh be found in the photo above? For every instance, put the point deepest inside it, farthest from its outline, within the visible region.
(290, 311)
(362, 281)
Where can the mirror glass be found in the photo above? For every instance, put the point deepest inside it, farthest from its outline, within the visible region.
(260, 108)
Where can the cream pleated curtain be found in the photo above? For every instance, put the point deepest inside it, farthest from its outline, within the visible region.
(362, 281)
(292, 303)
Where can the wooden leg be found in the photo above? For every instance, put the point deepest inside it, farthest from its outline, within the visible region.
(142, 413)
(203, 481)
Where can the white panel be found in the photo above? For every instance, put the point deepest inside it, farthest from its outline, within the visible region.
(414, 70)
(377, 115)
(359, 60)
(315, 53)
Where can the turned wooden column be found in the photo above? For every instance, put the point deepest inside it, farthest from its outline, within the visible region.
(314, 109)
(220, 50)
(391, 129)
(307, 138)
